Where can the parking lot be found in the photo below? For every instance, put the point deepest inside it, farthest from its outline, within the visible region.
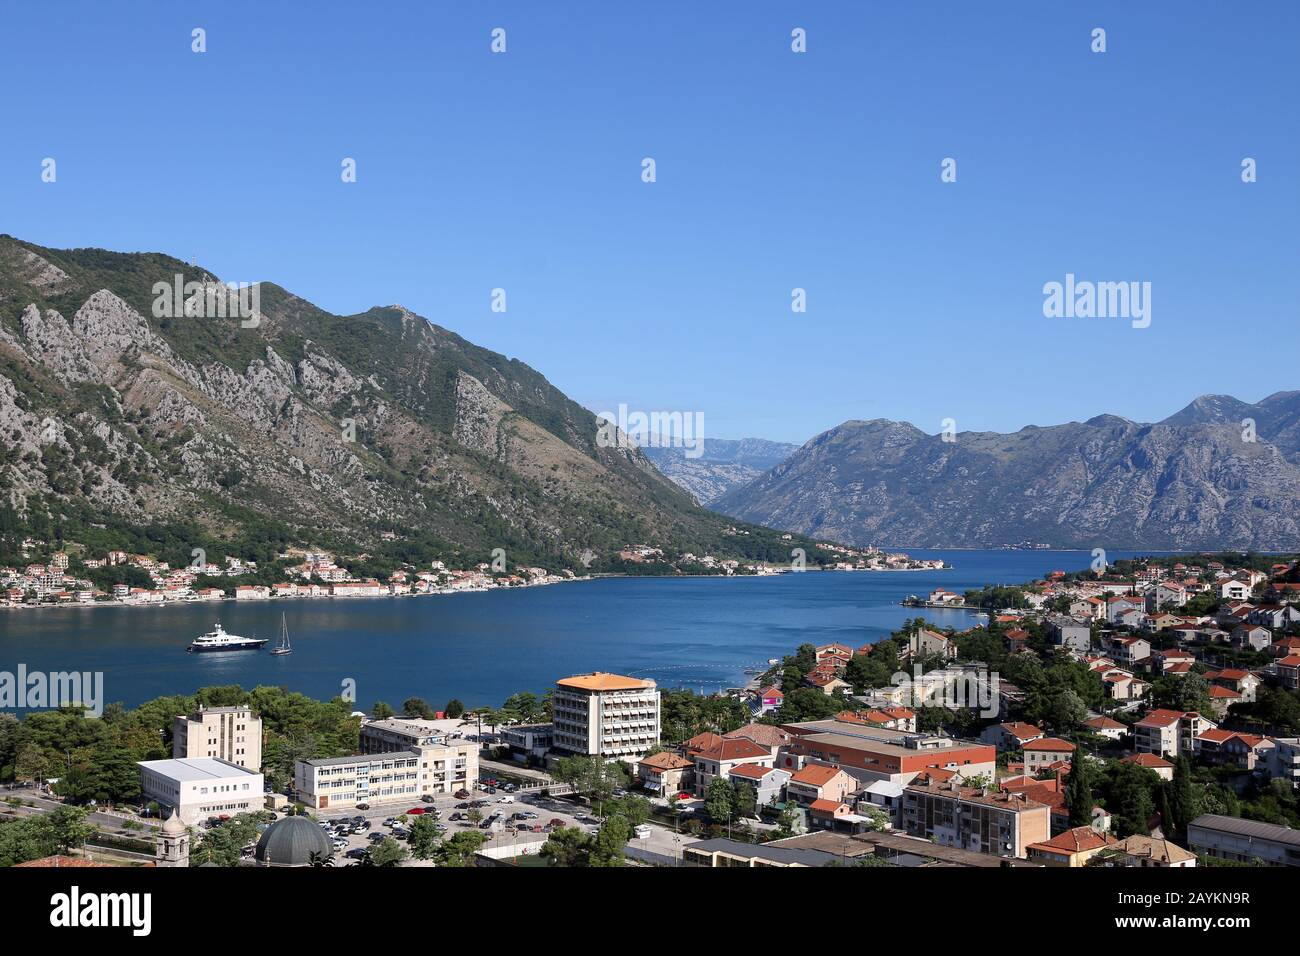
(543, 813)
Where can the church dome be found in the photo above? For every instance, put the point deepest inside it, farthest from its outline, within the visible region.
(292, 842)
(173, 826)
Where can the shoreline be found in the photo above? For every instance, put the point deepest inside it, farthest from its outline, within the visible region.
(185, 602)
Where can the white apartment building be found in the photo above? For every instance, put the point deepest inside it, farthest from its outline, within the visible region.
(201, 787)
(364, 778)
(400, 760)
(233, 734)
(606, 715)
(1169, 733)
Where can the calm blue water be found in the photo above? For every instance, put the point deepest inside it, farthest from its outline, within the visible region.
(481, 648)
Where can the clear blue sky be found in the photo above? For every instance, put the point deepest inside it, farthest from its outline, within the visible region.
(775, 170)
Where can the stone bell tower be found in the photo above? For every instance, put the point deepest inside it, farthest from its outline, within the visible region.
(173, 843)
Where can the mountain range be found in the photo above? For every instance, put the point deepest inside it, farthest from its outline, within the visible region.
(723, 464)
(125, 422)
(1203, 478)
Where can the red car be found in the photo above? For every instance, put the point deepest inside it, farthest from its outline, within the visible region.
(684, 796)
(415, 811)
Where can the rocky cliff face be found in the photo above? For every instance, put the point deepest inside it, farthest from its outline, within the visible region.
(1107, 482)
(329, 428)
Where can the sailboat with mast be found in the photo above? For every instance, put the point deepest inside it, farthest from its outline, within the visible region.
(283, 646)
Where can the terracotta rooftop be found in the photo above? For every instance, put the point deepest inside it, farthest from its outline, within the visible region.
(599, 681)
(815, 775)
(1077, 840)
(665, 761)
(736, 748)
(1149, 760)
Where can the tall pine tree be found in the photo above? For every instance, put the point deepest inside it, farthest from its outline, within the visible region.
(1078, 792)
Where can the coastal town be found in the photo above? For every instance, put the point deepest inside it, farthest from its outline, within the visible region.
(1145, 715)
(63, 575)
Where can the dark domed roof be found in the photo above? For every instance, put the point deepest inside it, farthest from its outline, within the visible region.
(291, 842)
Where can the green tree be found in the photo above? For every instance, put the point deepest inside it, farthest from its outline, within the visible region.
(381, 711)
(423, 838)
(1183, 805)
(745, 803)
(720, 800)
(387, 852)
(454, 709)
(610, 841)
(1078, 792)
(459, 849)
(417, 707)
(568, 846)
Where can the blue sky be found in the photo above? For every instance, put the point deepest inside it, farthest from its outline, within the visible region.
(775, 170)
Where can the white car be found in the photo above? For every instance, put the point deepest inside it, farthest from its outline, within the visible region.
(641, 832)
(506, 799)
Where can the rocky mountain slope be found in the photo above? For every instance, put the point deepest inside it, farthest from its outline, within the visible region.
(378, 431)
(1190, 482)
(724, 464)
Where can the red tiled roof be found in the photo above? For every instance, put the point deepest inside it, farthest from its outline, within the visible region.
(1051, 744)
(1078, 840)
(826, 806)
(1149, 760)
(815, 775)
(737, 748)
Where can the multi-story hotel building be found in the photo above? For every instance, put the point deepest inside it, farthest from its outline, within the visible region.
(233, 734)
(400, 759)
(606, 715)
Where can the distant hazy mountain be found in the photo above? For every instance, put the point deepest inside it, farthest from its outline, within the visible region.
(1188, 482)
(724, 465)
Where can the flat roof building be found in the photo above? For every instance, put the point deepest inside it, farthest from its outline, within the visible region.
(971, 818)
(401, 759)
(870, 753)
(339, 782)
(1231, 838)
(201, 787)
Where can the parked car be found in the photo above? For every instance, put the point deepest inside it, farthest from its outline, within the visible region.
(363, 806)
(358, 854)
(415, 811)
(461, 794)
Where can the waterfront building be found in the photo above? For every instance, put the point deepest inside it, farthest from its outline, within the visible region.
(606, 715)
